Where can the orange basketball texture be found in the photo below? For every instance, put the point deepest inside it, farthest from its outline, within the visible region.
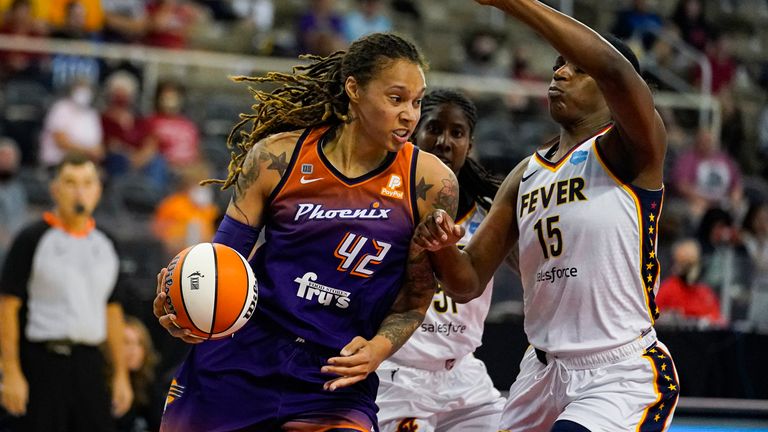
(211, 289)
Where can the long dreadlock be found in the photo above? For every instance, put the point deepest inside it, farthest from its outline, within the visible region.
(475, 182)
(311, 95)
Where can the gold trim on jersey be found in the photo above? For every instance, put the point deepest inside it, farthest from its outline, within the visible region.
(638, 209)
(554, 166)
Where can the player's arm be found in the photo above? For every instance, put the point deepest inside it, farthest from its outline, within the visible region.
(437, 188)
(464, 274)
(15, 389)
(122, 394)
(263, 167)
(637, 144)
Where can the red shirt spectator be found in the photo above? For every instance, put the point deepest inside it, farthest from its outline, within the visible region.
(18, 21)
(683, 293)
(696, 300)
(169, 23)
(177, 137)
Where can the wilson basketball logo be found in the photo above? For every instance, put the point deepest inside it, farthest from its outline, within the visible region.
(392, 188)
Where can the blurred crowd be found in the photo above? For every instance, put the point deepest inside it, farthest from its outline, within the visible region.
(714, 244)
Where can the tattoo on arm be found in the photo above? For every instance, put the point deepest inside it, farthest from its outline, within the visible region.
(412, 302)
(448, 197)
(277, 163)
(248, 175)
(251, 171)
(422, 188)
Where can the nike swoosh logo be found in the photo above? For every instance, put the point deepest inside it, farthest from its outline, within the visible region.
(304, 180)
(526, 177)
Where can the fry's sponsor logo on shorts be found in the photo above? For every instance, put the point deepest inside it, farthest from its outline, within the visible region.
(446, 329)
(325, 295)
(310, 211)
(556, 273)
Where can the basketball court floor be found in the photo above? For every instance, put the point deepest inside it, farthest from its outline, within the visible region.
(693, 424)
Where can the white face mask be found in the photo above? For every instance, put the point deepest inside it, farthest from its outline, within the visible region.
(82, 96)
(201, 196)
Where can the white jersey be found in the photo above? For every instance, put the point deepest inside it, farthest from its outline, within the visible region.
(450, 330)
(587, 253)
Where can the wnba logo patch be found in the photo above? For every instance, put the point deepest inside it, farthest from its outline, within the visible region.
(579, 157)
(194, 280)
(392, 188)
(407, 425)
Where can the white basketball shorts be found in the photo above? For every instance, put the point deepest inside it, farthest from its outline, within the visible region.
(631, 388)
(459, 397)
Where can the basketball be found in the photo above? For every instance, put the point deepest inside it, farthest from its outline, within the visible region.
(211, 289)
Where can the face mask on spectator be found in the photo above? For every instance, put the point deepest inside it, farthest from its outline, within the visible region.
(82, 96)
(690, 273)
(121, 100)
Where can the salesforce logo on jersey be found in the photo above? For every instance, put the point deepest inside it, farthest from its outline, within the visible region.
(325, 295)
(556, 273)
(311, 211)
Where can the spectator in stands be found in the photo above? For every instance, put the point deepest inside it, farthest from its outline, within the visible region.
(189, 215)
(682, 296)
(58, 306)
(170, 22)
(19, 21)
(706, 176)
(725, 261)
(72, 124)
(169, 130)
(66, 68)
(367, 18)
(58, 14)
(256, 19)
(689, 19)
(126, 151)
(481, 47)
(755, 237)
(13, 197)
(124, 20)
(260, 12)
(637, 23)
(733, 136)
(141, 360)
(321, 29)
(721, 62)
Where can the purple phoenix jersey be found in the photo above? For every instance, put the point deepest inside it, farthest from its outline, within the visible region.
(332, 265)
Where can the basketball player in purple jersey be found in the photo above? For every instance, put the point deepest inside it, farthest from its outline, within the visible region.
(328, 172)
(583, 213)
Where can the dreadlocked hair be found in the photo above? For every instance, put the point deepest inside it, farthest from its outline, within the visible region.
(475, 182)
(311, 95)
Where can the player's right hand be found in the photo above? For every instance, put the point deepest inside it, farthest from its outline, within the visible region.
(167, 320)
(437, 231)
(15, 393)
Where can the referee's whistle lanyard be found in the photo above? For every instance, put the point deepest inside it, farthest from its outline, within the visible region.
(560, 370)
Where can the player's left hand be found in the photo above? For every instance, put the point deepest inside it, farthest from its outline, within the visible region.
(358, 359)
